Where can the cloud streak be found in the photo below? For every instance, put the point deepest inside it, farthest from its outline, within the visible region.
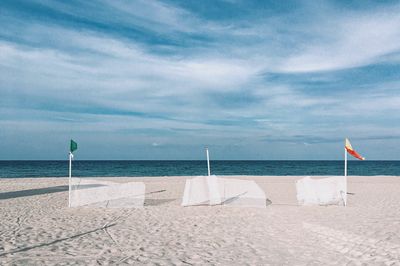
(170, 74)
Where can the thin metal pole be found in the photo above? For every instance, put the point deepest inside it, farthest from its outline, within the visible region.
(208, 162)
(345, 162)
(345, 173)
(69, 179)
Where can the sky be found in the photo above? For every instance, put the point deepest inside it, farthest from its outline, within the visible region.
(256, 80)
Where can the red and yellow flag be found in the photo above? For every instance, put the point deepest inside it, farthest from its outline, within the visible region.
(350, 150)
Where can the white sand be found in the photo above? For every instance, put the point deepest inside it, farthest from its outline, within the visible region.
(38, 228)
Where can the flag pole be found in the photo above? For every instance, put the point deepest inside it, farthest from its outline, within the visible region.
(72, 147)
(345, 162)
(69, 179)
(208, 162)
(345, 174)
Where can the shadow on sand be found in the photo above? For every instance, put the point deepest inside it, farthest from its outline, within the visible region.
(17, 250)
(38, 191)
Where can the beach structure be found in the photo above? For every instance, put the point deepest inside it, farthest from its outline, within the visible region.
(213, 190)
(99, 192)
(325, 191)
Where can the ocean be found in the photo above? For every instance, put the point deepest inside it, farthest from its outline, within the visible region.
(17, 169)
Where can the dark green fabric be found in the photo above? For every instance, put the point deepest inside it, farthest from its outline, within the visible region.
(73, 147)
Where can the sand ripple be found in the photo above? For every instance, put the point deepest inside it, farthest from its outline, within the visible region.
(41, 230)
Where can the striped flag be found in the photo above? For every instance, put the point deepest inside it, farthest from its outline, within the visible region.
(350, 150)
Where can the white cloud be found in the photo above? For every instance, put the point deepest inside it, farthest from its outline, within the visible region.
(119, 74)
(61, 79)
(348, 40)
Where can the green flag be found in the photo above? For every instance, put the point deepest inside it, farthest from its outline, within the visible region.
(73, 146)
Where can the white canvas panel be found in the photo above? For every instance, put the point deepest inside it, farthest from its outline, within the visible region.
(237, 192)
(101, 193)
(212, 190)
(201, 190)
(325, 191)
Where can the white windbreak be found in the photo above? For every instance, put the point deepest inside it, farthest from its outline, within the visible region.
(212, 190)
(108, 194)
(325, 191)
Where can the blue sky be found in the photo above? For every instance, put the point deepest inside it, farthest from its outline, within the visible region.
(162, 79)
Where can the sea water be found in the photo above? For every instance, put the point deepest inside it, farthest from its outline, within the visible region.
(81, 168)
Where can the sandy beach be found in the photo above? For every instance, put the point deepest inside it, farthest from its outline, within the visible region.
(37, 227)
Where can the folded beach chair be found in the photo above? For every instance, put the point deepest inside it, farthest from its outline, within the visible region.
(325, 191)
(213, 190)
